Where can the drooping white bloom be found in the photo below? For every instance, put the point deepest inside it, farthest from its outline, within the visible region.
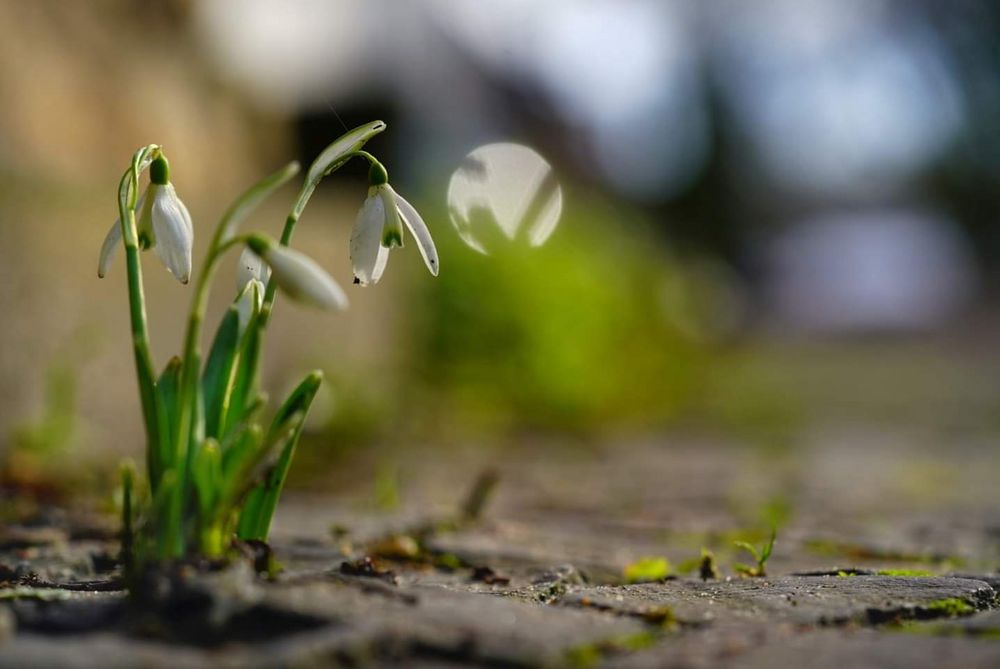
(163, 223)
(298, 275)
(378, 228)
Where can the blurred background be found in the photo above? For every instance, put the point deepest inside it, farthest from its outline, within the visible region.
(776, 220)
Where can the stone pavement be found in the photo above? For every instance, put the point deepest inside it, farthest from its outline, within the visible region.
(887, 554)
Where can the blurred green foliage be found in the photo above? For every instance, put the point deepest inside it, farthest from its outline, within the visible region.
(592, 329)
(43, 453)
(56, 427)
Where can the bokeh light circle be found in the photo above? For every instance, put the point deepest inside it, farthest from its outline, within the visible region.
(504, 194)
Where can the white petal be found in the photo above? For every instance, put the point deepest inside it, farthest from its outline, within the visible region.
(380, 262)
(251, 268)
(392, 229)
(420, 233)
(366, 241)
(303, 280)
(111, 244)
(173, 232)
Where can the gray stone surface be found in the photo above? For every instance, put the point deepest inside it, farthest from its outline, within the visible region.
(788, 646)
(819, 600)
(562, 528)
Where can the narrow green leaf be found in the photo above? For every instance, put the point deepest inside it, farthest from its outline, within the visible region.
(167, 389)
(217, 380)
(749, 548)
(286, 428)
(244, 384)
(152, 420)
(239, 459)
(259, 483)
(166, 518)
(251, 199)
(298, 401)
(207, 476)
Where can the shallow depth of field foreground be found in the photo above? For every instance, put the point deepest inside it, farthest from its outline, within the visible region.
(445, 334)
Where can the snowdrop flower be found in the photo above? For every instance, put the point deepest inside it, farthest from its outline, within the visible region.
(298, 275)
(163, 224)
(379, 228)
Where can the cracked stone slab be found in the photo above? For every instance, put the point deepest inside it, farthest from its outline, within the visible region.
(764, 647)
(798, 599)
(442, 623)
(366, 621)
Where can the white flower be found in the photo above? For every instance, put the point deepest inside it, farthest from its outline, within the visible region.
(163, 224)
(378, 229)
(298, 275)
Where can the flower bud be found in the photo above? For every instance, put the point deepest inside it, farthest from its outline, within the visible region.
(298, 275)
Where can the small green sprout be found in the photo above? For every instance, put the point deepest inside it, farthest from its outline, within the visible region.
(215, 467)
(647, 570)
(760, 557)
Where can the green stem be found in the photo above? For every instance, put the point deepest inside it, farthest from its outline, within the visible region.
(191, 360)
(292, 220)
(127, 196)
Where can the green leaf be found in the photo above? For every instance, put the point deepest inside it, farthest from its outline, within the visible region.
(766, 553)
(244, 384)
(285, 430)
(299, 401)
(217, 380)
(255, 518)
(749, 548)
(239, 460)
(251, 199)
(207, 475)
(332, 157)
(167, 388)
(166, 519)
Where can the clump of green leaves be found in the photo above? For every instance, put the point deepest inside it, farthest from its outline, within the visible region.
(760, 556)
(216, 463)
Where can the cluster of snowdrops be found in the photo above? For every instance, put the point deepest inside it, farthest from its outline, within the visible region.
(215, 464)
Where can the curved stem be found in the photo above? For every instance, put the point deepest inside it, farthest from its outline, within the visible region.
(305, 193)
